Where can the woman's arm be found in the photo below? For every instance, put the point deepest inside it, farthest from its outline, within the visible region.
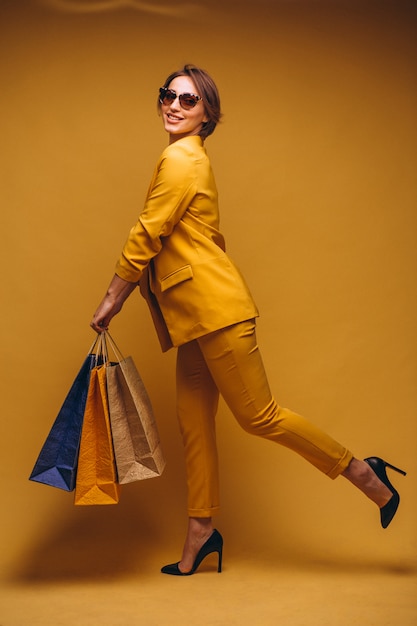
(171, 192)
(117, 292)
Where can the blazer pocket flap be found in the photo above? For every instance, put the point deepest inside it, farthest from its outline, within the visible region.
(179, 276)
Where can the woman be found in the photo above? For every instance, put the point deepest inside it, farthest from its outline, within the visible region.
(201, 305)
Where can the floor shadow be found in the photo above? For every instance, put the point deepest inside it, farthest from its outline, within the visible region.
(312, 565)
(359, 565)
(280, 556)
(95, 542)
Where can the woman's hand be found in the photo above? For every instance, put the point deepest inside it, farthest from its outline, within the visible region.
(118, 291)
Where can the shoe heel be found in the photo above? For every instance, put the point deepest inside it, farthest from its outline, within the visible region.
(219, 566)
(396, 469)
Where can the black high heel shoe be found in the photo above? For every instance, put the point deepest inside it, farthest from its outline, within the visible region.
(213, 544)
(390, 508)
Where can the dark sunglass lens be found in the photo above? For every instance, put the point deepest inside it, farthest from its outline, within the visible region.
(170, 95)
(166, 96)
(188, 101)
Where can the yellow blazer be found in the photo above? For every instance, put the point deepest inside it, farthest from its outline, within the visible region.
(177, 254)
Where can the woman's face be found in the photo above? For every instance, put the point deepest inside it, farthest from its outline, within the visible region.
(179, 122)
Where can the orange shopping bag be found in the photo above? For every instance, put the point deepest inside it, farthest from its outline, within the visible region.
(96, 481)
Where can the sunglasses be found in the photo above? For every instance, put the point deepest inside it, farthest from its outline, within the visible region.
(187, 100)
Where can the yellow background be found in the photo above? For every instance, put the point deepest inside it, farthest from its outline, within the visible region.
(316, 167)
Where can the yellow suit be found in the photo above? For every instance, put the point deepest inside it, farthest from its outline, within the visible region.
(200, 303)
(178, 254)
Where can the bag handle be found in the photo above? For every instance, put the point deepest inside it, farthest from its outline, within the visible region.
(100, 349)
(107, 338)
(93, 345)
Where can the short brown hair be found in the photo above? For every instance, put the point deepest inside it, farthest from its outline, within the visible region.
(207, 90)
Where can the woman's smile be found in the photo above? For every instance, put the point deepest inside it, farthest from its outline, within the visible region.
(174, 118)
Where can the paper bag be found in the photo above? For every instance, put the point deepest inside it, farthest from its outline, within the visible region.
(135, 435)
(96, 481)
(57, 461)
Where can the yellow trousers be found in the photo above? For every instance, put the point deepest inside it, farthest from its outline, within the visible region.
(228, 361)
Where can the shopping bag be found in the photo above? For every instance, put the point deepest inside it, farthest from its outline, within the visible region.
(96, 481)
(57, 461)
(136, 440)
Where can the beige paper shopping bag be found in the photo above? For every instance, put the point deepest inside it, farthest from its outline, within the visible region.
(135, 435)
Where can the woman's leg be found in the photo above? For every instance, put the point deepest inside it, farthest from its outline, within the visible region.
(234, 359)
(197, 402)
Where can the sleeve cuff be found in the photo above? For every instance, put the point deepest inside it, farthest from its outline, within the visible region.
(127, 274)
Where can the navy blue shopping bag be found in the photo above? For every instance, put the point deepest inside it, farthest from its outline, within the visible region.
(57, 461)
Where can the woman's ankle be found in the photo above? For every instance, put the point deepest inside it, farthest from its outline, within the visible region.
(364, 478)
(200, 526)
